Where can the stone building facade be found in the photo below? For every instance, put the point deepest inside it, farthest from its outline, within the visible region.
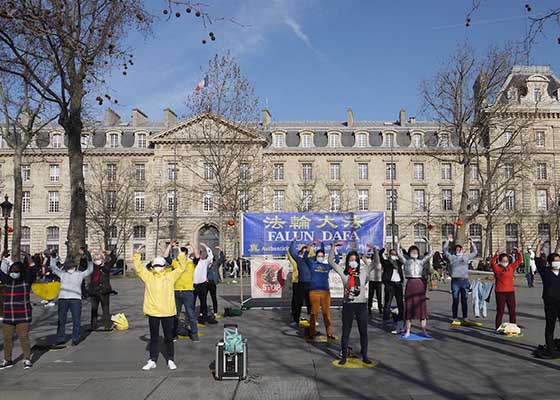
(310, 165)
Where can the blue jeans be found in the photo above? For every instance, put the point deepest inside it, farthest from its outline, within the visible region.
(459, 287)
(185, 298)
(75, 306)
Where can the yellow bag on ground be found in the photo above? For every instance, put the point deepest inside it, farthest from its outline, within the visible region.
(120, 322)
(46, 290)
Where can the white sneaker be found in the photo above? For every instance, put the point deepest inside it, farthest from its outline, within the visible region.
(27, 364)
(149, 365)
(171, 365)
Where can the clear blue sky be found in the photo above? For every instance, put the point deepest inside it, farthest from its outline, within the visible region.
(311, 59)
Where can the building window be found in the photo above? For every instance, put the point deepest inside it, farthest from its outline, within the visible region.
(279, 140)
(307, 171)
(335, 200)
(306, 140)
(53, 238)
(334, 140)
(390, 171)
(474, 198)
(208, 202)
(541, 171)
(172, 201)
(139, 232)
(141, 140)
(208, 171)
(54, 172)
(508, 135)
(171, 171)
(26, 173)
(417, 140)
(114, 140)
(244, 172)
(446, 171)
(85, 141)
(508, 171)
(537, 93)
(419, 171)
(139, 202)
(391, 198)
(392, 231)
(509, 200)
(446, 230)
(306, 200)
(544, 234)
(447, 200)
(363, 200)
(278, 172)
(363, 171)
(512, 232)
(539, 139)
(334, 171)
(25, 239)
(140, 172)
(542, 199)
(444, 140)
(85, 170)
(111, 172)
(56, 141)
(136, 248)
(111, 198)
(474, 172)
(419, 234)
(26, 202)
(54, 202)
(389, 140)
(244, 200)
(361, 140)
(278, 200)
(419, 199)
(475, 233)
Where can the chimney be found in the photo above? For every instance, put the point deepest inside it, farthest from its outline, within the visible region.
(349, 117)
(169, 118)
(266, 116)
(111, 118)
(412, 120)
(402, 117)
(138, 117)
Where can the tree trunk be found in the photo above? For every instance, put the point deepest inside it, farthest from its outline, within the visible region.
(461, 234)
(488, 238)
(156, 246)
(18, 198)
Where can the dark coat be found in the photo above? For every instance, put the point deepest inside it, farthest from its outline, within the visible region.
(389, 266)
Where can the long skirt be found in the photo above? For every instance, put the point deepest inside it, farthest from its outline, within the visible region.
(415, 300)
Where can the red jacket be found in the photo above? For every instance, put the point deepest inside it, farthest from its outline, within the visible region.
(504, 276)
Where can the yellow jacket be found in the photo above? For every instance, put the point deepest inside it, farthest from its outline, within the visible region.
(186, 280)
(295, 275)
(159, 293)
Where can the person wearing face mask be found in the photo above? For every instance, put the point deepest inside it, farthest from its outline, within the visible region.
(459, 271)
(319, 290)
(550, 276)
(355, 277)
(159, 302)
(70, 296)
(504, 269)
(415, 291)
(100, 289)
(304, 279)
(201, 284)
(17, 309)
(530, 266)
(375, 281)
(393, 279)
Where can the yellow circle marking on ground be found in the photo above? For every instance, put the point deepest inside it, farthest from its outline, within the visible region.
(218, 316)
(320, 339)
(355, 363)
(466, 323)
(200, 325)
(304, 323)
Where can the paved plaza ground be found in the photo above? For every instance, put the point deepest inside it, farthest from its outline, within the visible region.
(460, 363)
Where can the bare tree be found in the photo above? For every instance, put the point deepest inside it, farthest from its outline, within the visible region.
(311, 195)
(158, 209)
(24, 114)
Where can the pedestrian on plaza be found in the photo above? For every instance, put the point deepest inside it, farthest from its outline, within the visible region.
(159, 303)
(504, 269)
(100, 289)
(214, 279)
(295, 285)
(201, 284)
(393, 279)
(375, 281)
(17, 309)
(438, 262)
(549, 270)
(70, 296)
(355, 278)
(304, 279)
(530, 266)
(319, 290)
(415, 291)
(459, 270)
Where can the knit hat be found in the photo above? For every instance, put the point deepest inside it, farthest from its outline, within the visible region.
(159, 261)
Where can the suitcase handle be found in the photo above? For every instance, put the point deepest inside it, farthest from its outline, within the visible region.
(230, 326)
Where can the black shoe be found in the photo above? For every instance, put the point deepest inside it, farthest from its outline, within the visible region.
(212, 321)
(75, 343)
(6, 364)
(366, 360)
(342, 361)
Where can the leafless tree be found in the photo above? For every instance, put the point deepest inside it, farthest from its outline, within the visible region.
(158, 209)
(311, 195)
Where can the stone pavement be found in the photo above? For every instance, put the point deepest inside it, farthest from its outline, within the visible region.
(460, 363)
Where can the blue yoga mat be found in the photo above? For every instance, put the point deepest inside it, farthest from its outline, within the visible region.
(415, 337)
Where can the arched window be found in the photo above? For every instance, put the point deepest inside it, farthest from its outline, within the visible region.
(334, 140)
(443, 140)
(419, 234)
(417, 140)
(141, 140)
(446, 230)
(389, 140)
(361, 140)
(56, 141)
(475, 233)
(512, 235)
(306, 140)
(53, 238)
(544, 234)
(391, 231)
(26, 239)
(279, 139)
(114, 140)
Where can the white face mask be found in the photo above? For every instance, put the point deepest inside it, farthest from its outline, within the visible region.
(15, 275)
(459, 253)
(321, 260)
(71, 270)
(555, 265)
(413, 255)
(98, 262)
(504, 264)
(353, 264)
(394, 258)
(158, 269)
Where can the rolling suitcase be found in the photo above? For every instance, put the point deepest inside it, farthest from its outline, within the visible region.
(231, 366)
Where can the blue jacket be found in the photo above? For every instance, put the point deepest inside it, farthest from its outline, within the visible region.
(319, 273)
(304, 273)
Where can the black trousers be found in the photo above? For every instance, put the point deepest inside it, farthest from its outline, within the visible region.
(302, 296)
(375, 288)
(213, 288)
(393, 289)
(200, 293)
(351, 311)
(167, 325)
(551, 314)
(102, 299)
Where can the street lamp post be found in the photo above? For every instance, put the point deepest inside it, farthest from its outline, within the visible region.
(393, 169)
(6, 211)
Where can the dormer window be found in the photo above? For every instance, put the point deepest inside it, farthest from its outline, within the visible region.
(334, 140)
(306, 140)
(361, 140)
(85, 141)
(537, 93)
(444, 140)
(141, 140)
(417, 140)
(113, 140)
(279, 140)
(389, 140)
(56, 141)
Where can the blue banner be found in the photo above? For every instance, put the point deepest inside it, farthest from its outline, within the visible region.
(272, 233)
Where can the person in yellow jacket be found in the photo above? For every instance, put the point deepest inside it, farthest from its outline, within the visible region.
(159, 303)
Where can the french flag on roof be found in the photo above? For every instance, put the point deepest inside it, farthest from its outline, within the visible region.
(202, 84)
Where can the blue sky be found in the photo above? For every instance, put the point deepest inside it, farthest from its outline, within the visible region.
(312, 59)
